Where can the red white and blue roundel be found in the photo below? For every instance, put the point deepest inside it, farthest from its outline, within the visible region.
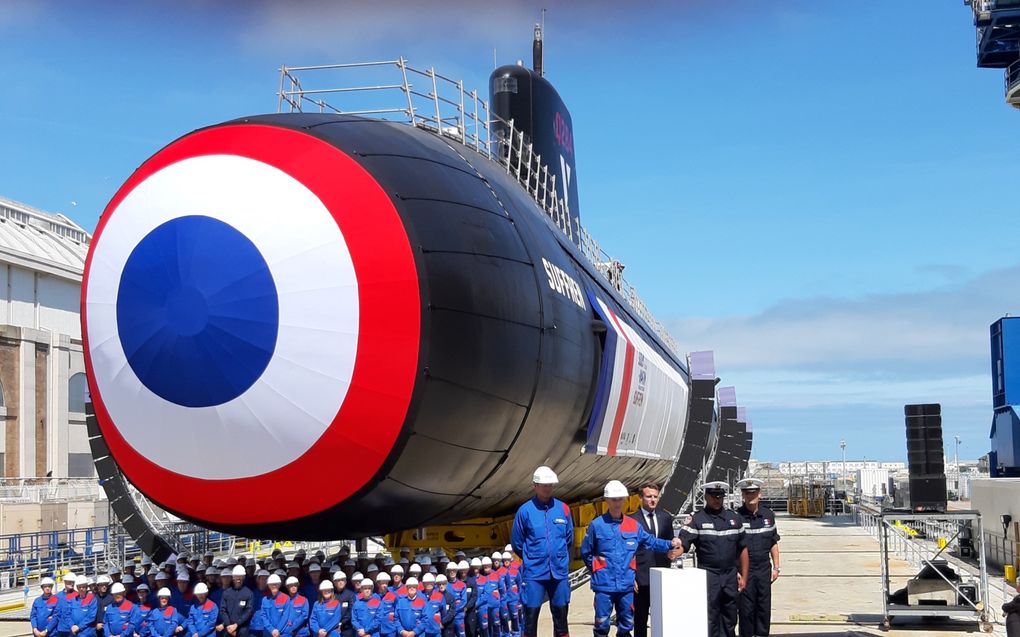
(251, 316)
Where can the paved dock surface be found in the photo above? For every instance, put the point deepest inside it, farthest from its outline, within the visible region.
(830, 585)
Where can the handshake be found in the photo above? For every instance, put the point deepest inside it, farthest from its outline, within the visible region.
(678, 549)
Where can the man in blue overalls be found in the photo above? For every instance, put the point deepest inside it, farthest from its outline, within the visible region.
(542, 535)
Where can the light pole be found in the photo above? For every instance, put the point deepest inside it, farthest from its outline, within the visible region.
(956, 457)
(842, 447)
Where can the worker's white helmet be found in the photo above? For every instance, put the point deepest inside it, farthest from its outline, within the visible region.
(441, 579)
(615, 489)
(46, 581)
(497, 555)
(117, 588)
(274, 579)
(397, 568)
(475, 562)
(486, 561)
(545, 475)
(428, 578)
(507, 555)
(201, 589)
(163, 592)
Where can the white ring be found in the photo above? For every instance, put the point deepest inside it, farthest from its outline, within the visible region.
(301, 390)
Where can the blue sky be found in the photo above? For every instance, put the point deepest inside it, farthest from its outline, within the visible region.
(816, 191)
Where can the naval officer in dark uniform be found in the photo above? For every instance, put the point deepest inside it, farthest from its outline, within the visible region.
(762, 540)
(718, 534)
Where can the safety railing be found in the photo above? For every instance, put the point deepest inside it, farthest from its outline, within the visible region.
(1011, 78)
(37, 490)
(444, 107)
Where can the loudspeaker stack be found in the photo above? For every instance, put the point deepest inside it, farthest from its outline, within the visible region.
(926, 457)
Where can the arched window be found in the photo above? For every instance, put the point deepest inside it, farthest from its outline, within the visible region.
(77, 393)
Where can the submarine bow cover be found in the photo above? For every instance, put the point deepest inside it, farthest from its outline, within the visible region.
(313, 326)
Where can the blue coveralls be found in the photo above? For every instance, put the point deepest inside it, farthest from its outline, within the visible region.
(365, 615)
(83, 614)
(481, 605)
(460, 595)
(410, 613)
(299, 611)
(122, 619)
(608, 552)
(44, 613)
(275, 614)
(255, 628)
(494, 602)
(542, 535)
(202, 619)
(326, 615)
(67, 599)
(163, 622)
(385, 614)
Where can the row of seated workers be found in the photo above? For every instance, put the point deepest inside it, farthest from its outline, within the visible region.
(199, 597)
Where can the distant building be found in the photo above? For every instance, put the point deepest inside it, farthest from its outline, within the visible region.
(42, 371)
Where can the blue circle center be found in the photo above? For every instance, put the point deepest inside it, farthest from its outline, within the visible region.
(197, 312)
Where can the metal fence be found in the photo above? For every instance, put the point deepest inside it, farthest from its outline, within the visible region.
(38, 490)
(441, 105)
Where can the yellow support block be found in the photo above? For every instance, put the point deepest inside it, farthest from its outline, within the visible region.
(1009, 573)
(13, 606)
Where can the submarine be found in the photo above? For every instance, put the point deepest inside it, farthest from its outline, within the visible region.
(343, 323)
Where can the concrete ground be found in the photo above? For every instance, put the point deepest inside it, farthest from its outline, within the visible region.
(830, 585)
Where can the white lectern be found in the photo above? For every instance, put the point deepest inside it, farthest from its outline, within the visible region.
(678, 602)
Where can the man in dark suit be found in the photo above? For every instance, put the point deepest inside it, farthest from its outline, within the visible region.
(660, 524)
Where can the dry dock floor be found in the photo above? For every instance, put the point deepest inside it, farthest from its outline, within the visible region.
(830, 585)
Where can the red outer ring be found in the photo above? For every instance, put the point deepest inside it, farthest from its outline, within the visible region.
(370, 419)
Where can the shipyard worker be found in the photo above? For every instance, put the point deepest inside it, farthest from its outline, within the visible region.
(346, 597)
(660, 524)
(608, 552)
(145, 607)
(326, 614)
(164, 620)
(300, 609)
(275, 609)
(542, 535)
(65, 601)
(44, 611)
(204, 614)
(762, 540)
(105, 599)
(122, 617)
(718, 535)
(365, 616)
(83, 609)
(410, 611)
(236, 606)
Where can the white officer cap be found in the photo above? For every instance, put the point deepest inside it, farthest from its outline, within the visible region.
(463, 565)
(718, 485)
(201, 589)
(46, 581)
(545, 475)
(750, 484)
(486, 561)
(163, 592)
(411, 582)
(382, 577)
(117, 588)
(325, 586)
(273, 579)
(397, 568)
(476, 562)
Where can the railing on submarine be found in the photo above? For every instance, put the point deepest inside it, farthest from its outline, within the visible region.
(446, 109)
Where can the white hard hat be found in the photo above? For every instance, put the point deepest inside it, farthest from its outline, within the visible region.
(70, 576)
(411, 582)
(507, 555)
(463, 565)
(497, 555)
(428, 578)
(545, 475)
(397, 568)
(357, 576)
(163, 592)
(273, 579)
(292, 581)
(104, 579)
(81, 580)
(441, 579)
(239, 571)
(46, 581)
(325, 586)
(508, 548)
(615, 489)
(339, 575)
(201, 589)
(452, 566)
(366, 581)
(414, 568)
(382, 577)
(117, 588)
(486, 561)
(476, 562)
